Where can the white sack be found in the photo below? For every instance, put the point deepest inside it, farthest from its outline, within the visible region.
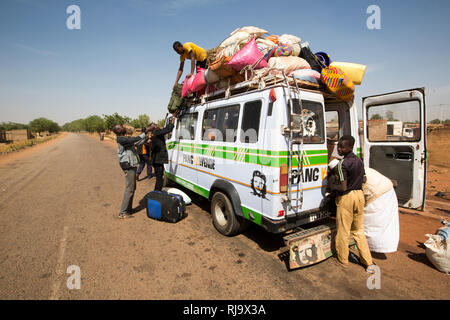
(381, 223)
(235, 39)
(438, 252)
(289, 39)
(253, 31)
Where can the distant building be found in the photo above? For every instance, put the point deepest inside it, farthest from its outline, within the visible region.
(17, 135)
(394, 128)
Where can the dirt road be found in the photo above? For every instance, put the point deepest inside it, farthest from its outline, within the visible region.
(59, 206)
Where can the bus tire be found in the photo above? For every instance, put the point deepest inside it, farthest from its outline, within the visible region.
(224, 219)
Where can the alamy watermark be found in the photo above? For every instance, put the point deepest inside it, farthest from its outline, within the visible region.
(73, 22)
(374, 20)
(74, 280)
(374, 281)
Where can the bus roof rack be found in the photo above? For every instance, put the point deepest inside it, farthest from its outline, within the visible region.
(256, 84)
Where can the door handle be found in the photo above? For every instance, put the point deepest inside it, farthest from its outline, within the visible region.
(403, 156)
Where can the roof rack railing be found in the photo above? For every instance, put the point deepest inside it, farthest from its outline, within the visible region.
(256, 82)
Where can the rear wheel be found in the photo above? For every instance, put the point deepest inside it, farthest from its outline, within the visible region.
(224, 218)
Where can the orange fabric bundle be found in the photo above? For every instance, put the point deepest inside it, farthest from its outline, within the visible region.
(221, 68)
(273, 38)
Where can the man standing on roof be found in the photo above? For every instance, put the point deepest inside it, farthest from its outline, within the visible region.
(189, 51)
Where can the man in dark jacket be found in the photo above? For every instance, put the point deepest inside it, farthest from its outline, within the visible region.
(159, 150)
(144, 159)
(128, 161)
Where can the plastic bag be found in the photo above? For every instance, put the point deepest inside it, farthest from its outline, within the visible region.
(249, 55)
(438, 252)
(288, 64)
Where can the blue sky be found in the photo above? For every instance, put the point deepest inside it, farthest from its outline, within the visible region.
(122, 58)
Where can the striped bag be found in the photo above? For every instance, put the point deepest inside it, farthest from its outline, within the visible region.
(338, 83)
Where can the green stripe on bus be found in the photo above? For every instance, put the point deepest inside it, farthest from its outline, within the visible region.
(248, 213)
(189, 185)
(253, 156)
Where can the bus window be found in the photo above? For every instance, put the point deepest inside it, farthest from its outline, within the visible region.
(187, 126)
(332, 122)
(250, 122)
(221, 124)
(394, 122)
(312, 117)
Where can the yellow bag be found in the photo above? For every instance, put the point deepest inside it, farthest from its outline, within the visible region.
(353, 70)
(338, 83)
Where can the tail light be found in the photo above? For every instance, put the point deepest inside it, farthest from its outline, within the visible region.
(283, 178)
(280, 213)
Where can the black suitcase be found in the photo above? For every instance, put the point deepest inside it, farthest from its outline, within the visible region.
(164, 206)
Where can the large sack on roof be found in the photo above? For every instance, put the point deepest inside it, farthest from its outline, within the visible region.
(253, 31)
(249, 55)
(211, 77)
(288, 64)
(199, 82)
(289, 39)
(228, 51)
(187, 87)
(236, 38)
(221, 68)
(306, 75)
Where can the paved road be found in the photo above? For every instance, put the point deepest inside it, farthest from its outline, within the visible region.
(58, 208)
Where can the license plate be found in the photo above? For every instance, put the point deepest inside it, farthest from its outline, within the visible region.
(317, 216)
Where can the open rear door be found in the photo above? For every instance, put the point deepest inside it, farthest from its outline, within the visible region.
(395, 142)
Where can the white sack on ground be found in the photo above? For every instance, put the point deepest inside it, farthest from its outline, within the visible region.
(381, 223)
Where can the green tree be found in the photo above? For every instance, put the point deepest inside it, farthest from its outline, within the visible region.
(376, 117)
(447, 121)
(436, 121)
(112, 120)
(94, 124)
(43, 124)
(142, 121)
(12, 126)
(161, 123)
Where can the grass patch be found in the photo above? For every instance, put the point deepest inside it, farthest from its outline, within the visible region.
(19, 145)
